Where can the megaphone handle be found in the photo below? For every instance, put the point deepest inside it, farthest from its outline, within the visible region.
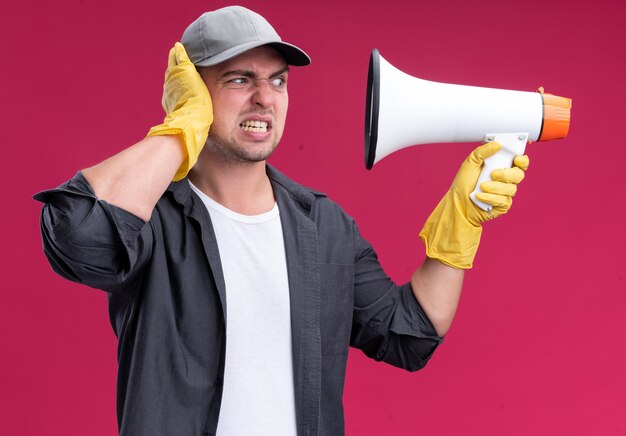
(513, 144)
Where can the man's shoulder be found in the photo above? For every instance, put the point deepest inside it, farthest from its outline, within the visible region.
(277, 177)
(310, 199)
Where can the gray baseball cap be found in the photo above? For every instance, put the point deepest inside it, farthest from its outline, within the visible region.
(220, 35)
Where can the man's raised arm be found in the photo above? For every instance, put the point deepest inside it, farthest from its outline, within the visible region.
(135, 178)
(452, 233)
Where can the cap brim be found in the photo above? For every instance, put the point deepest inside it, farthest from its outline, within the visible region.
(292, 54)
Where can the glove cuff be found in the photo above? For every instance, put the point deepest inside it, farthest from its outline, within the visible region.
(193, 134)
(449, 237)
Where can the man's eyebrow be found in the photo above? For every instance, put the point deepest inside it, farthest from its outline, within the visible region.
(283, 70)
(243, 73)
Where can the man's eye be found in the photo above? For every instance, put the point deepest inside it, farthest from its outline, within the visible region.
(239, 81)
(278, 82)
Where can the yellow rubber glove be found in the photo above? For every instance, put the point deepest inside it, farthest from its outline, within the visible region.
(452, 232)
(187, 103)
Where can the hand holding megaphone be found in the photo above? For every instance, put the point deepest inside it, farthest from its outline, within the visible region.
(403, 111)
(497, 193)
(452, 231)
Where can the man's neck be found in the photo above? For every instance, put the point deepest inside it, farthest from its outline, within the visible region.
(242, 187)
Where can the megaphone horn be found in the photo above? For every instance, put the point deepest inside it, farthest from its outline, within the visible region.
(402, 110)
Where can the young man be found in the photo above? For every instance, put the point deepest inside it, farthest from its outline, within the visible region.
(234, 291)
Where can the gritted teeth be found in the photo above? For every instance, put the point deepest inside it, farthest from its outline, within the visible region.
(254, 126)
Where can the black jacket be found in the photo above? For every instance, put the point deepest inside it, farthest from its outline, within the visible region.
(167, 296)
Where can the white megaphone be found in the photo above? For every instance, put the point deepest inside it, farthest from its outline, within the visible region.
(402, 111)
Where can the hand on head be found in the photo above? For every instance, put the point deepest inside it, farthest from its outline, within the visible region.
(188, 106)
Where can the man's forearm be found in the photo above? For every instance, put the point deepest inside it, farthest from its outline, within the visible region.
(437, 287)
(135, 178)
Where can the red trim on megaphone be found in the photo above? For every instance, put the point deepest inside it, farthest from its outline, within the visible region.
(556, 116)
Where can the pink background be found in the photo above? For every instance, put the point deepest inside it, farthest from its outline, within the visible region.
(538, 346)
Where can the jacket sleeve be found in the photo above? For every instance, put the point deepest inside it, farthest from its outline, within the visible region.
(90, 241)
(389, 324)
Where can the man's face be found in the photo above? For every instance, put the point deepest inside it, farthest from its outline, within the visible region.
(250, 100)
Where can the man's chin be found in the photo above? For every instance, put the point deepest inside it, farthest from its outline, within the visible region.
(241, 150)
(250, 156)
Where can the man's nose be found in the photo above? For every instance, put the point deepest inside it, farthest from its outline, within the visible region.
(263, 94)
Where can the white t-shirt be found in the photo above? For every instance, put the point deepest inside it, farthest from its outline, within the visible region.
(258, 396)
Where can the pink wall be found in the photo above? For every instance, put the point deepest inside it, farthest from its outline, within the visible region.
(538, 346)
